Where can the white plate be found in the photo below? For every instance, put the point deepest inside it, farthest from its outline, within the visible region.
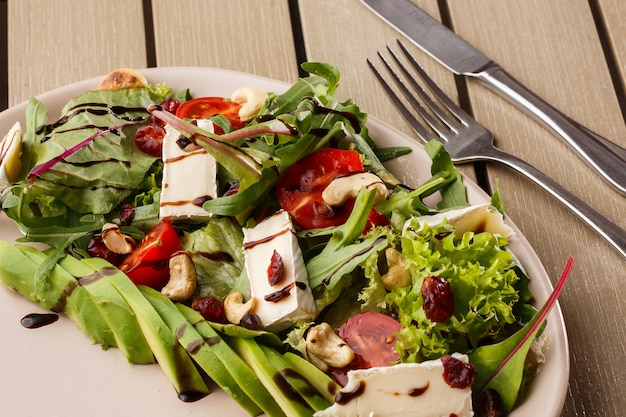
(55, 371)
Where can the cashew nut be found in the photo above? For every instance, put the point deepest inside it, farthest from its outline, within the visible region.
(251, 99)
(182, 283)
(325, 349)
(115, 241)
(345, 187)
(235, 308)
(398, 275)
(10, 156)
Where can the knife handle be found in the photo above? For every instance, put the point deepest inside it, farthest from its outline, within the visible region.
(611, 232)
(606, 157)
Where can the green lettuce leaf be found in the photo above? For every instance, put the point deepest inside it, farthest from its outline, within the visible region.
(216, 252)
(482, 274)
(88, 159)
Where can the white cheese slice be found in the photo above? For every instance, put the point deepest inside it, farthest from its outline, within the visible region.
(477, 218)
(189, 178)
(293, 299)
(408, 389)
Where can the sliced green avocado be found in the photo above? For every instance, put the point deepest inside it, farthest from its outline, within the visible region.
(114, 308)
(214, 356)
(174, 360)
(59, 292)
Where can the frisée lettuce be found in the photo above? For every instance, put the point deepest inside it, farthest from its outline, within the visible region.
(480, 271)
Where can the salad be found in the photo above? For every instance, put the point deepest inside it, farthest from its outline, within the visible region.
(92, 175)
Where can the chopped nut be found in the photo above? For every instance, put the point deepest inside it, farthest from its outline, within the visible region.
(325, 349)
(345, 187)
(235, 308)
(182, 283)
(115, 241)
(397, 275)
(251, 99)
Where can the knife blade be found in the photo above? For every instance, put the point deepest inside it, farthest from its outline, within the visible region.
(458, 56)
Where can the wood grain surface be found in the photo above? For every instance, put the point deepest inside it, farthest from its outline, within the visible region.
(572, 53)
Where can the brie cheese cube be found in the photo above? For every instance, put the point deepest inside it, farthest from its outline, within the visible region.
(189, 178)
(290, 298)
(477, 218)
(407, 389)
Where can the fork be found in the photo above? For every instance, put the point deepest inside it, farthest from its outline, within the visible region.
(466, 140)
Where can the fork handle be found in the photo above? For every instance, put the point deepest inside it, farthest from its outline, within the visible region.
(614, 234)
(608, 158)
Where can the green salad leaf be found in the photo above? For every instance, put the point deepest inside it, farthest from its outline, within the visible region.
(482, 276)
(88, 158)
(215, 250)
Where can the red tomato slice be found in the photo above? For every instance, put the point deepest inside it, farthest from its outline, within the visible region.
(299, 189)
(372, 338)
(149, 263)
(205, 107)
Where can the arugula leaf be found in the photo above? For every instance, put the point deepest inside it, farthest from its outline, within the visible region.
(328, 72)
(329, 270)
(454, 193)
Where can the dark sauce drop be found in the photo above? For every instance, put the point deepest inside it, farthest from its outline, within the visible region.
(344, 397)
(36, 320)
(416, 392)
(277, 296)
(282, 381)
(191, 396)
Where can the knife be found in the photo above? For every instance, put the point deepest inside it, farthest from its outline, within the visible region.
(608, 158)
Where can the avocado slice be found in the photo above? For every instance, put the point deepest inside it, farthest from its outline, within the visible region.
(205, 355)
(175, 362)
(114, 308)
(59, 292)
(243, 374)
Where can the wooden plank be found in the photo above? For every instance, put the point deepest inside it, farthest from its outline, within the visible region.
(252, 36)
(554, 49)
(56, 43)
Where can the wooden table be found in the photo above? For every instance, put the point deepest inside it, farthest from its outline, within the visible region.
(570, 52)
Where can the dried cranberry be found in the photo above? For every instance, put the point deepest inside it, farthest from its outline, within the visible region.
(276, 269)
(169, 105)
(210, 308)
(489, 404)
(149, 139)
(127, 214)
(97, 249)
(456, 373)
(251, 321)
(438, 299)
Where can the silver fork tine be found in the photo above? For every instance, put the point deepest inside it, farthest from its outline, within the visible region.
(434, 88)
(421, 131)
(434, 107)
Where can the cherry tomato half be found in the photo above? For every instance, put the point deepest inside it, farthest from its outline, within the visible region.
(299, 189)
(372, 338)
(149, 263)
(205, 107)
